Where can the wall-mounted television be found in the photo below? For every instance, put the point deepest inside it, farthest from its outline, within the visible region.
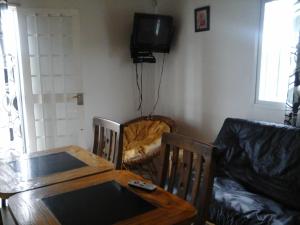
(151, 33)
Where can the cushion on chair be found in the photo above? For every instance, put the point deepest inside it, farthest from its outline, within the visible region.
(142, 140)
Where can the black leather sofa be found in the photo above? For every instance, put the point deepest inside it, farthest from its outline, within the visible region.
(257, 178)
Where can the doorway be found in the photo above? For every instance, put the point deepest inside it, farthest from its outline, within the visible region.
(53, 90)
(12, 138)
(41, 96)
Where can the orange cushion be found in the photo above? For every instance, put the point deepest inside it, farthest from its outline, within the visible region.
(142, 139)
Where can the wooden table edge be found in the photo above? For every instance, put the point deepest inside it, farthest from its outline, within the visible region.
(184, 207)
(68, 149)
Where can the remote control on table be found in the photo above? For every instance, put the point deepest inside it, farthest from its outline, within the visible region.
(142, 185)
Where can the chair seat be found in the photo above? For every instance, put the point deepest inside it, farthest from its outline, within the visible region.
(142, 140)
(232, 204)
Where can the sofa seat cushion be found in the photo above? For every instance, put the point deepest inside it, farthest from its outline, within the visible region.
(142, 140)
(233, 204)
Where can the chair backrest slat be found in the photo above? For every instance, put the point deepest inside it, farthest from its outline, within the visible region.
(165, 163)
(186, 170)
(96, 139)
(101, 141)
(119, 146)
(107, 142)
(110, 143)
(191, 167)
(198, 172)
(174, 168)
(207, 186)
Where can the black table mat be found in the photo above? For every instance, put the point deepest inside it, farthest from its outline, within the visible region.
(46, 165)
(103, 204)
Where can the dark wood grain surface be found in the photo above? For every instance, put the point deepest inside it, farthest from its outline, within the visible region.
(108, 140)
(29, 208)
(12, 182)
(191, 163)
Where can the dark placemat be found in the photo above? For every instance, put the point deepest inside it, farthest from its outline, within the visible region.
(46, 165)
(103, 204)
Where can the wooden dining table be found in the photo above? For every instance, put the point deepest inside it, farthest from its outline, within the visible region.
(39, 169)
(104, 198)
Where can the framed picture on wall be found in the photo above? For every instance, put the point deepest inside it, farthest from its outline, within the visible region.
(202, 20)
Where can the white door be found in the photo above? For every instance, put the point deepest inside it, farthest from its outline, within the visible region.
(52, 79)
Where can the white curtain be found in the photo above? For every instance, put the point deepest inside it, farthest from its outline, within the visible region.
(293, 97)
(11, 141)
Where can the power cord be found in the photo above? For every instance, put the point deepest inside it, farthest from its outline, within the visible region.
(158, 90)
(141, 96)
(139, 87)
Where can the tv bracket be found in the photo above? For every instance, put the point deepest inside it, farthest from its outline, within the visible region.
(143, 57)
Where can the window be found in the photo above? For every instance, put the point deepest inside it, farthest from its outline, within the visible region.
(278, 40)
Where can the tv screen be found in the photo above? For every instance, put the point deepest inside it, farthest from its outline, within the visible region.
(152, 33)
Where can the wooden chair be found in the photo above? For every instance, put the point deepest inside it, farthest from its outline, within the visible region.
(190, 173)
(108, 140)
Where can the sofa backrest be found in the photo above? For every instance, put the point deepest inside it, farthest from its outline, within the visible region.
(264, 157)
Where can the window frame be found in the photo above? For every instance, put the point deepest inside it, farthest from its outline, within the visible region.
(257, 102)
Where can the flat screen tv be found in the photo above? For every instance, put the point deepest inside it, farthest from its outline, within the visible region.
(152, 33)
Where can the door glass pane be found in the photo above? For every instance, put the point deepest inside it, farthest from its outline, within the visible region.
(57, 117)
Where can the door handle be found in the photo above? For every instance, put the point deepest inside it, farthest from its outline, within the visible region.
(79, 98)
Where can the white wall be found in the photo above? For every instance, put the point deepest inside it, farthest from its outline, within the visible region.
(108, 74)
(208, 76)
(211, 75)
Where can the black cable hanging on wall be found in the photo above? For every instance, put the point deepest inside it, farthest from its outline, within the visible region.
(159, 85)
(139, 85)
